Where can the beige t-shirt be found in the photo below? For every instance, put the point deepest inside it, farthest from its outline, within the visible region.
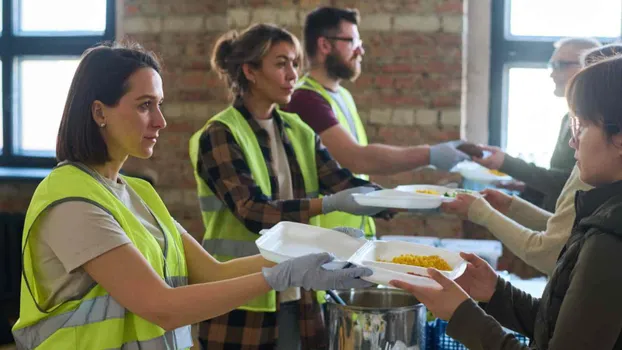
(286, 191)
(72, 233)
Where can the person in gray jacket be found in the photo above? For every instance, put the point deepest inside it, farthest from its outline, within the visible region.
(538, 185)
(581, 306)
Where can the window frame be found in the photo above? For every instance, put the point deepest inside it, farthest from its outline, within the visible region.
(12, 47)
(515, 51)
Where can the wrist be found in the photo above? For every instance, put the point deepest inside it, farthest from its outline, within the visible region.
(327, 206)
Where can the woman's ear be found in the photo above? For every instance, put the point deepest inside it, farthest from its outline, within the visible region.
(249, 73)
(97, 111)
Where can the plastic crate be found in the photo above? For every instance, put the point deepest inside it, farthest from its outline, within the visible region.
(439, 340)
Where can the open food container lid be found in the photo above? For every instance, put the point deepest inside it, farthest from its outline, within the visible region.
(288, 240)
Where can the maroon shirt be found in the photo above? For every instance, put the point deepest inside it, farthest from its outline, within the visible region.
(312, 109)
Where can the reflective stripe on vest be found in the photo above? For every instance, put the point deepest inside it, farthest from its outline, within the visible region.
(180, 338)
(97, 310)
(213, 203)
(228, 247)
(210, 203)
(96, 320)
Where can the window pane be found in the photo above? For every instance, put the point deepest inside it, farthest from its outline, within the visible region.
(43, 86)
(534, 115)
(1, 114)
(81, 16)
(597, 18)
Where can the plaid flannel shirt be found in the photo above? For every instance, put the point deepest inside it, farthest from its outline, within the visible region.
(224, 169)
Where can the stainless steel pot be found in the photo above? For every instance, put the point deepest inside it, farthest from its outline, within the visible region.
(386, 319)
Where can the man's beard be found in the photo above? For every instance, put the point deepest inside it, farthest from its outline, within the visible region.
(338, 69)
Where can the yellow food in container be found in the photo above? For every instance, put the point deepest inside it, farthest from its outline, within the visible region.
(433, 261)
(428, 192)
(496, 172)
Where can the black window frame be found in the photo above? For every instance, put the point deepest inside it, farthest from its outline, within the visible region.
(12, 47)
(519, 51)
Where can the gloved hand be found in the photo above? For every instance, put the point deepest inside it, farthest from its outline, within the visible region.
(307, 272)
(350, 231)
(445, 156)
(343, 201)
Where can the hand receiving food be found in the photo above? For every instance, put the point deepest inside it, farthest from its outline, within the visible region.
(460, 206)
(479, 280)
(494, 161)
(498, 199)
(442, 301)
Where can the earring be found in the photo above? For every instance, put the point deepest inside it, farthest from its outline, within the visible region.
(102, 125)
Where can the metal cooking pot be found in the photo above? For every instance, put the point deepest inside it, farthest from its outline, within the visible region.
(386, 319)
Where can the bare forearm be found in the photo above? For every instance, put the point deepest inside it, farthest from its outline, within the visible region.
(231, 269)
(195, 303)
(380, 159)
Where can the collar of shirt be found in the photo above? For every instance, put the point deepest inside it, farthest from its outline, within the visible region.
(257, 129)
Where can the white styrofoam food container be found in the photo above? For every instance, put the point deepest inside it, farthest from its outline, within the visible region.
(475, 172)
(425, 240)
(394, 199)
(288, 240)
(373, 251)
(445, 193)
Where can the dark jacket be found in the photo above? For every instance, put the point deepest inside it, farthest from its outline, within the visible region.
(581, 306)
(545, 185)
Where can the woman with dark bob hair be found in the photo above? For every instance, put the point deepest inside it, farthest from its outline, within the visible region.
(105, 264)
(581, 306)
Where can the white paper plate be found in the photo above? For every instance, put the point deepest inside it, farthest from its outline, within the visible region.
(287, 240)
(394, 199)
(475, 172)
(373, 251)
(445, 193)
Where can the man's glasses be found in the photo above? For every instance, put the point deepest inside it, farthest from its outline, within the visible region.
(354, 42)
(559, 65)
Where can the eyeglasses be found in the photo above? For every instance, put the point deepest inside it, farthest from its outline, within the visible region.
(559, 65)
(354, 42)
(576, 128)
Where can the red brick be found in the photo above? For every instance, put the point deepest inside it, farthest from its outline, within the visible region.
(403, 100)
(450, 6)
(383, 81)
(405, 82)
(131, 10)
(398, 68)
(363, 82)
(446, 101)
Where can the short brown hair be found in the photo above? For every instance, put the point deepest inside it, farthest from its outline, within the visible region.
(102, 75)
(234, 49)
(324, 20)
(594, 93)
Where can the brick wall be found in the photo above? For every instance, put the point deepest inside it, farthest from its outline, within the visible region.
(409, 92)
